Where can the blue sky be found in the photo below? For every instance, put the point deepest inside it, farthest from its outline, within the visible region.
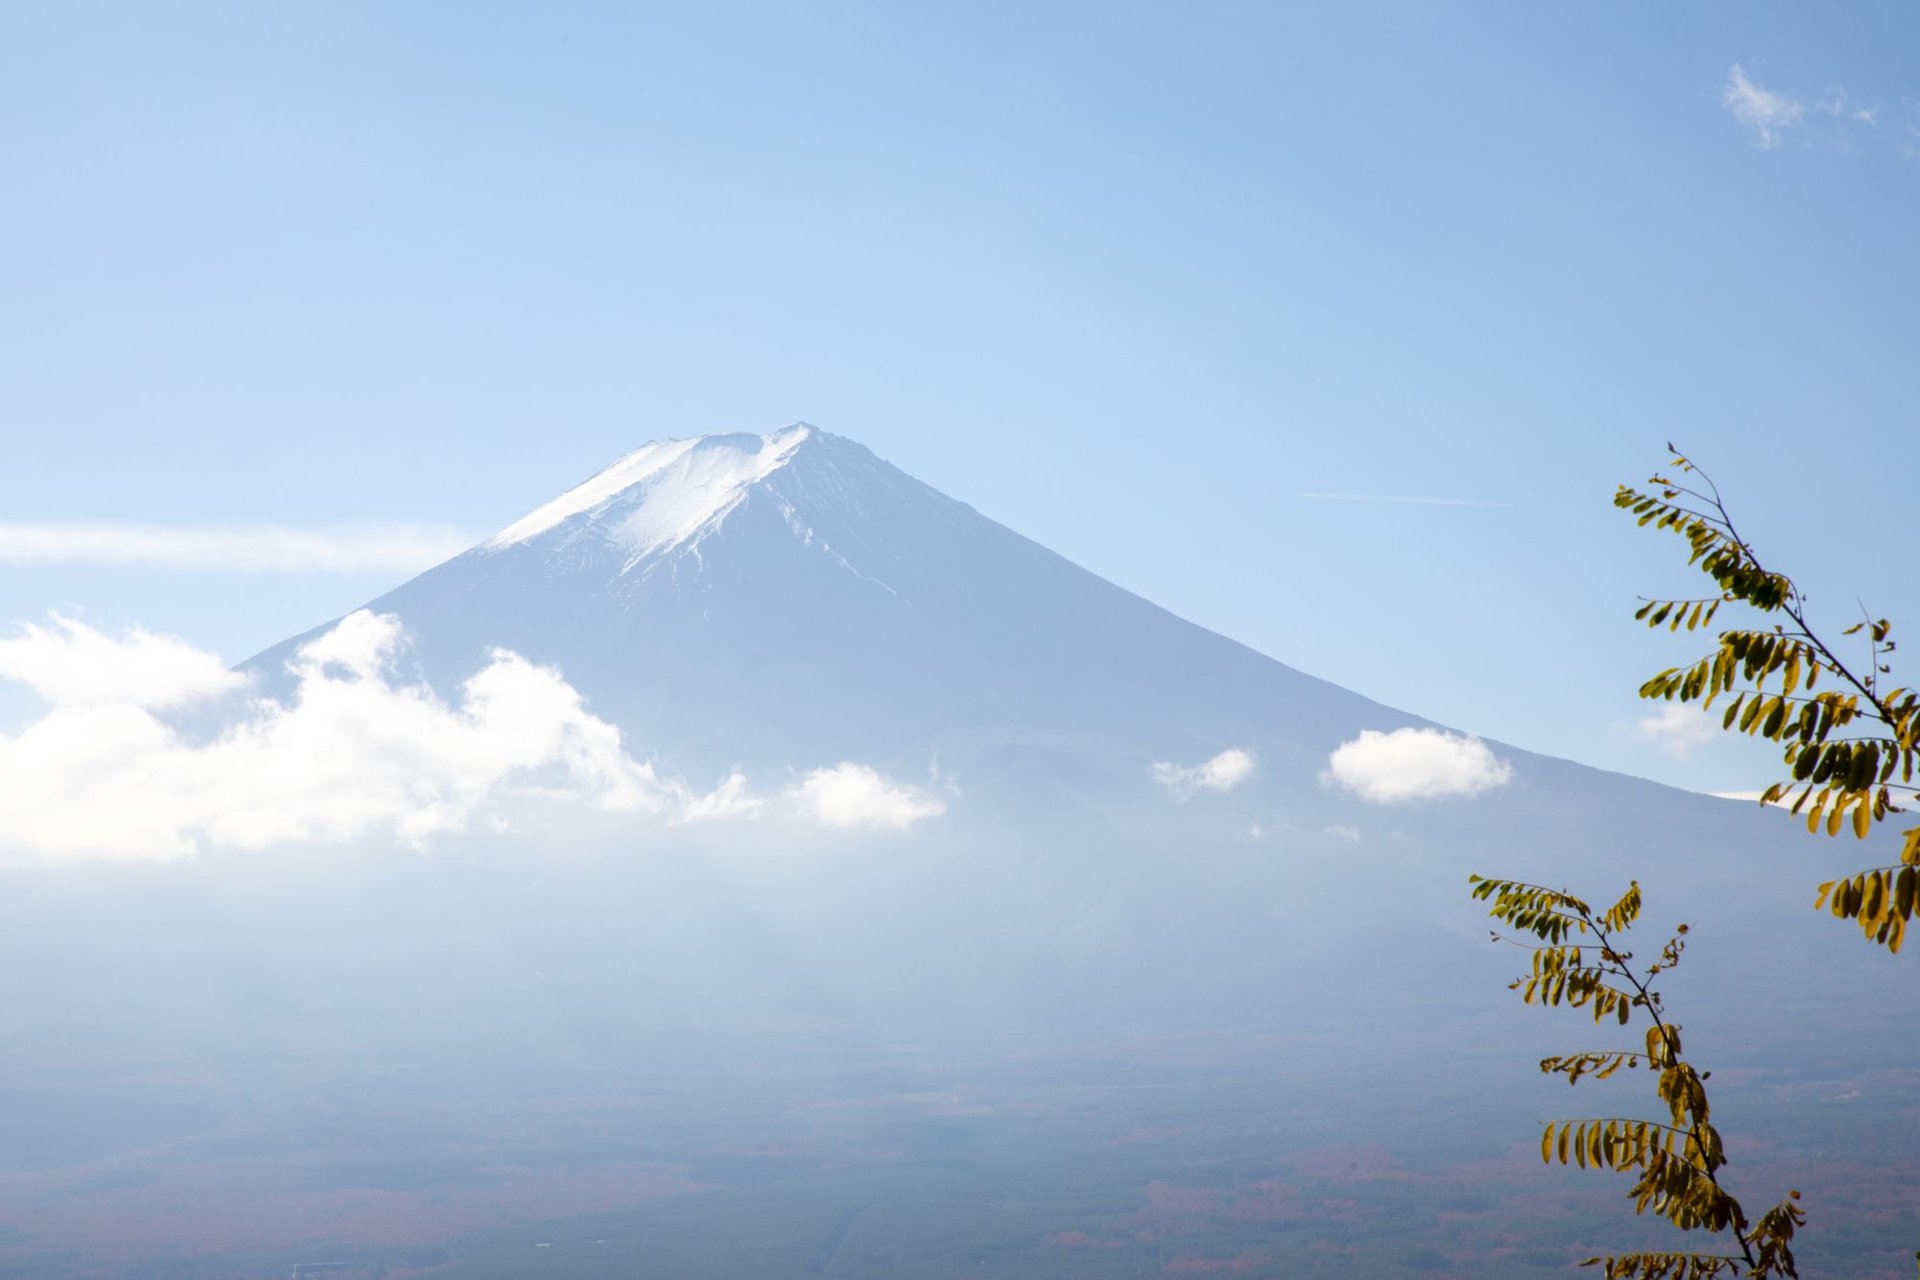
(1138, 281)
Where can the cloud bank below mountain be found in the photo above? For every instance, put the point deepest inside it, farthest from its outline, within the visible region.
(352, 752)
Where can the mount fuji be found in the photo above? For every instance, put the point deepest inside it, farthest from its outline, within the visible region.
(766, 601)
(760, 607)
(771, 604)
(1141, 933)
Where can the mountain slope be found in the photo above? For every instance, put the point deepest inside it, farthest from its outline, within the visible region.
(783, 600)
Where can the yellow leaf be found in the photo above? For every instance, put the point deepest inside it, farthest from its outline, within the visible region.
(1876, 898)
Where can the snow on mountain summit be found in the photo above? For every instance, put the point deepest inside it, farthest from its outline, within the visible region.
(663, 493)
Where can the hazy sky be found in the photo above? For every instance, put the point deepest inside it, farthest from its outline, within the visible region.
(1328, 327)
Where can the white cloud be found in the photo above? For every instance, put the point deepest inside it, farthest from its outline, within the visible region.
(1415, 764)
(855, 795)
(72, 665)
(351, 753)
(241, 548)
(1340, 831)
(1222, 773)
(1678, 727)
(731, 799)
(1767, 113)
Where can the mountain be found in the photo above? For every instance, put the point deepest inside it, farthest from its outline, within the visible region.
(782, 603)
(1100, 982)
(791, 599)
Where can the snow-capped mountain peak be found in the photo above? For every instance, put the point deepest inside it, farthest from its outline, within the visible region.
(749, 601)
(663, 493)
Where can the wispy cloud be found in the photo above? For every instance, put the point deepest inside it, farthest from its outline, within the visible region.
(1838, 105)
(1767, 113)
(1677, 728)
(1834, 117)
(1223, 772)
(234, 548)
(1382, 497)
(1415, 764)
